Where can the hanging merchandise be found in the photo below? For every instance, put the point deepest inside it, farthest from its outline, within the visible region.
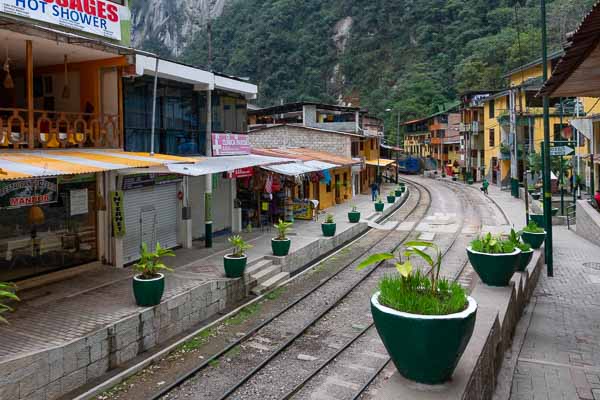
(8, 80)
(269, 184)
(276, 186)
(66, 90)
(326, 177)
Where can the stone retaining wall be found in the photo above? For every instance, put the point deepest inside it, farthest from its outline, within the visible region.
(588, 222)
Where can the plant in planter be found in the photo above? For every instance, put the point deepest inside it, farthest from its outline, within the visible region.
(328, 227)
(149, 284)
(379, 205)
(281, 244)
(531, 189)
(413, 308)
(494, 259)
(354, 215)
(398, 191)
(391, 197)
(536, 195)
(526, 250)
(534, 235)
(554, 211)
(235, 263)
(7, 294)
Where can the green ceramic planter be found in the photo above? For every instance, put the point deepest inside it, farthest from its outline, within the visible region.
(148, 293)
(536, 196)
(454, 178)
(391, 199)
(524, 260)
(494, 269)
(328, 229)
(234, 266)
(399, 192)
(538, 219)
(354, 216)
(470, 181)
(555, 212)
(379, 207)
(403, 189)
(535, 240)
(281, 248)
(415, 345)
(401, 184)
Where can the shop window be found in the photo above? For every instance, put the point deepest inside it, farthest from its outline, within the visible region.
(328, 187)
(492, 109)
(492, 139)
(58, 232)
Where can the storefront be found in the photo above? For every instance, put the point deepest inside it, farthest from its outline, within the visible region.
(47, 224)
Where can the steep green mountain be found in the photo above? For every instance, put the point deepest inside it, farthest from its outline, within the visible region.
(408, 55)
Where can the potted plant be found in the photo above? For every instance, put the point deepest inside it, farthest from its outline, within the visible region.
(379, 205)
(531, 189)
(536, 195)
(149, 283)
(454, 178)
(235, 263)
(411, 309)
(526, 250)
(391, 197)
(328, 227)
(281, 244)
(354, 215)
(494, 259)
(534, 235)
(398, 191)
(7, 294)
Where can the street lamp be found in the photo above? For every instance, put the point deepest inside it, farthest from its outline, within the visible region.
(397, 144)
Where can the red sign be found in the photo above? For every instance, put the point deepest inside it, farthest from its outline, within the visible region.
(241, 173)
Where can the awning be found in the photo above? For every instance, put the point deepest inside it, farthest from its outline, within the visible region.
(37, 163)
(216, 165)
(322, 166)
(382, 162)
(303, 154)
(292, 169)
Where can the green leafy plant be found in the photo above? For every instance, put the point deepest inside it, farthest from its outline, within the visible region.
(515, 238)
(354, 208)
(415, 292)
(392, 194)
(532, 227)
(239, 246)
(150, 264)
(7, 293)
(504, 148)
(489, 244)
(282, 229)
(379, 200)
(329, 219)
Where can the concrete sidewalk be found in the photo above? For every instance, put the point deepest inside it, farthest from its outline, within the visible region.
(71, 332)
(558, 354)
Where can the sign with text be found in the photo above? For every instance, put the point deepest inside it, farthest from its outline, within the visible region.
(230, 144)
(98, 17)
(118, 213)
(561, 151)
(28, 192)
(241, 173)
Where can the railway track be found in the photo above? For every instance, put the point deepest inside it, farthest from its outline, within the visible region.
(286, 327)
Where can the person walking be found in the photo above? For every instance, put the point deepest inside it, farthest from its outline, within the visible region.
(597, 198)
(485, 185)
(374, 191)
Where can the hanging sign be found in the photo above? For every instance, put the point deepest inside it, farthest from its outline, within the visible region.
(98, 17)
(230, 144)
(118, 213)
(241, 173)
(28, 192)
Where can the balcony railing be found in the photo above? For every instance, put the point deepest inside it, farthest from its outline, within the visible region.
(57, 129)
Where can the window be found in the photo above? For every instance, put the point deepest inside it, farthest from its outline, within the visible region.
(328, 187)
(372, 144)
(362, 146)
(492, 141)
(492, 105)
(355, 151)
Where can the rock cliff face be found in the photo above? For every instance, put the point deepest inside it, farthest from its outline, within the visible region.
(167, 26)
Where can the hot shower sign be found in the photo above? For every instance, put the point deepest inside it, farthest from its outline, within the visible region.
(98, 17)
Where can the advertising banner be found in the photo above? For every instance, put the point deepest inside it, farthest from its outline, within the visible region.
(230, 144)
(98, 17)
(28, 192)
(241, 173)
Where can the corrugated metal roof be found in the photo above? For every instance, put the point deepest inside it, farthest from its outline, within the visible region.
(37, 163)
(217, 165)
(304, 154)
(382, 162)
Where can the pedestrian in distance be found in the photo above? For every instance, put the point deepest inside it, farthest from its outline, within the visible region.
(374, 191)
(484, 186)
(597, 198)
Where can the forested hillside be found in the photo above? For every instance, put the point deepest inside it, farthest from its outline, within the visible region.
(410, 55)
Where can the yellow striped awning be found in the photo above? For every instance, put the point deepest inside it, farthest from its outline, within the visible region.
(25, 164)
(382, 162)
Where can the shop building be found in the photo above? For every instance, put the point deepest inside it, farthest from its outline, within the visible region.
(471, 131)
(347, 132)
(61, 136)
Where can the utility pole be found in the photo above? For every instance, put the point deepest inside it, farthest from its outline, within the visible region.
(546, 151)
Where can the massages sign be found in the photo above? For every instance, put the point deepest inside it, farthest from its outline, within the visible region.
(98, 17)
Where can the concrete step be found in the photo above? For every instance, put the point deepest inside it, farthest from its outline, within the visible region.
(258, 265)
(265, 274)
(271, 283)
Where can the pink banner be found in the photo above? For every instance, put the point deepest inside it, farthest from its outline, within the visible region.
(230, 144)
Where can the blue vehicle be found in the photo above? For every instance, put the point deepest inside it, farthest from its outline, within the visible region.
(410, 165)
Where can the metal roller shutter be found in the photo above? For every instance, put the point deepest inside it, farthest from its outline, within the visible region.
(150, 216)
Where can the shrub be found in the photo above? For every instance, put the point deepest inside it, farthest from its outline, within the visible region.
(532, 227)
(416, 293)
(239, 246)
(150, 264)
(282, 229)
(329, 219)
(489, 244)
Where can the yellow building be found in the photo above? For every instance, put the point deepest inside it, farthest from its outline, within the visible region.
(518, 111)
